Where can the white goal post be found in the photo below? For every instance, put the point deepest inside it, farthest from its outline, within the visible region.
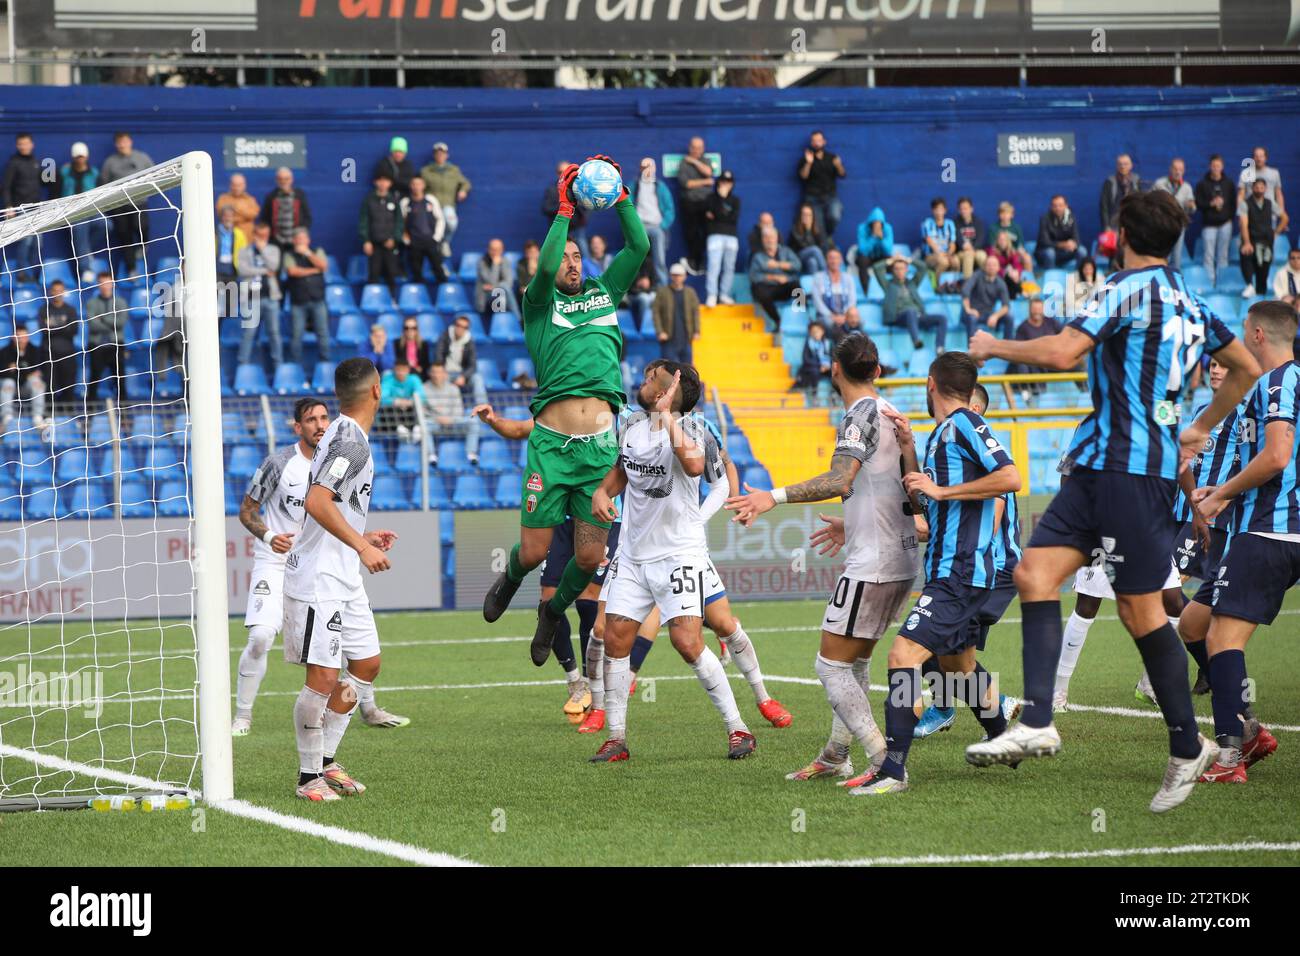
(159, 660)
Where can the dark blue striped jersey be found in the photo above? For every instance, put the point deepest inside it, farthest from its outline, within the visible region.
(964, 535)
(1218, 461)
(1150, 331)
(1273, 507)
(1007, 555)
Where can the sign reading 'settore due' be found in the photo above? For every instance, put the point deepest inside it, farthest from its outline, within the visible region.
(1035, 149)
(265, 152)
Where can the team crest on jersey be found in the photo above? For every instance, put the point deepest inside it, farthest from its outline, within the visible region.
(334, 647)
(1165, 413)
(262, 588)
(924, 600)
(531, 504)
(335, 623)
(535, 482)
(913, 621)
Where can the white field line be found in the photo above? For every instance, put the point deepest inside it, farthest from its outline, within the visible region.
(51, 762)
(1040, 855)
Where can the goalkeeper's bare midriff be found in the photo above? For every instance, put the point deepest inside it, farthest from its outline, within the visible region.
(579, 415)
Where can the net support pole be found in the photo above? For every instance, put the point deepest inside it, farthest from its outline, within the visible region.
(203, 354)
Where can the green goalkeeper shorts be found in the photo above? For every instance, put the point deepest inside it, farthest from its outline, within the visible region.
(562, 474)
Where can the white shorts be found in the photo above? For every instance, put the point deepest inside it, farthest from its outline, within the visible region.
(679, 586)
(327, 633)
(1092, 581)
(266, 597)
(864, 609)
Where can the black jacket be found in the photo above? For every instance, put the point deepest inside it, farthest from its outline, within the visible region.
(468, 359)
(551, 205)
(1052, 230)
(381, 218)
(1205, 192)
(400, 173)
(22, 181)
(726, 212)
(35, 359)
(974, 232)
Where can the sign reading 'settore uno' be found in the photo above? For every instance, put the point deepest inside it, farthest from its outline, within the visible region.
(265, 152)
(1035, 149)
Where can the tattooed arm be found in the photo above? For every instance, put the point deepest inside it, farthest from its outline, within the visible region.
(250, 516)
(834, 483)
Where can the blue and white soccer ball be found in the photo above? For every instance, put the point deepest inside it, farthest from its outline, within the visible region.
(597, 185)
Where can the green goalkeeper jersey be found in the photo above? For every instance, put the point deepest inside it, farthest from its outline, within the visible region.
(575, 342)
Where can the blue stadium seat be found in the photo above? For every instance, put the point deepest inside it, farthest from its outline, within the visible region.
(358, 269)
(439, 499)
(1226, 307)
(137, 500)
(234, 430)
(73, 464)
(873, 319)
(376, 299)
(333, 274)
(468, 271)
(251, 380)
(495, 456)
(517, 412)
(322, 378)
(490, 373)
(39, 505)
(431, 326)
(452, 299)
(352, 331)
(392, 323)
(739, 450)
(1197, 279)
(507, 493)
(627, 326)
(518, 367)
(339, 300)
(290, 379)
(408, 459)
(919, 361)
(446, 528)
(506, 328)
(471, 493)
(452, 458)
(87, 499)
(244, 461)
(230, 332)
(413, 298)
(1230, 280)
(173, 499)
(475, 322)
(381, 448)
(390, 494)
(756, 476)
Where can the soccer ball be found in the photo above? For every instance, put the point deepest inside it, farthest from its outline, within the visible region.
(597, 185)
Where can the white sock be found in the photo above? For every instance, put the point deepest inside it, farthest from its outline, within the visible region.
(572, 675)
(365, 693)
(746, 658)
(335, 725)
(252, 668)
(1076, 632)
(618, 678)
(837, 747)
(308, 715)
(596, 672)
(713, 678)
(849, 701)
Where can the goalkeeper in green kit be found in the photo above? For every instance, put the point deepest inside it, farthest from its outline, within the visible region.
(571, 329)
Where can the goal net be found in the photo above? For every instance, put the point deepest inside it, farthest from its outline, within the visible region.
(114, 649)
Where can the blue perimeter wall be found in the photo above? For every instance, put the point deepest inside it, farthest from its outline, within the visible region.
(894, 141)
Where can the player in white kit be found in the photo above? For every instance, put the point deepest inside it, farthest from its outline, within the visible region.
(880, 539)
(327, 615)
(272, 511)
(663, 559)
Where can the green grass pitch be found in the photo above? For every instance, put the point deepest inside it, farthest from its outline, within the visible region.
(490, 771)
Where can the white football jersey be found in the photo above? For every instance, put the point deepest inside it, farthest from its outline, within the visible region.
(321, 567)
(280, 486)
(879, 535)
(661, 506)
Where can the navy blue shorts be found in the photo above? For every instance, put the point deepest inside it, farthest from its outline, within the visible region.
(942, 618)
(1195, 561)
(999, 599)
(1257, 573)
(1212, 566)
(562, 550)
(1120, 521)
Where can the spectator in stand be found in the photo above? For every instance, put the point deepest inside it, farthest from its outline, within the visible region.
(821, 170)
(986, 300)
(527, 267)
(597, 259)
(875, 243)
(106, 316)
(773, 275)
(972, 237)
(230, 241)
(1118, 185)
(77, 176)
(305, 268)
(755, 240)
(641, 297)
(903, 305)
(22, 185)
(259, 270)
(1085, 284)
(816, 365)
(1286, 283)
(939, 239)
(1256, 217)
(24, 367)
(1214, 200)
(493, 292)
(444, 413)
(381, 228)
(246, 208)
(722, 216)
(676, 313)
(1008, 260)
(1260, 169)
(1058, 236)
(1175, 183)
(694, 190)
(413, 350)
(551, 205)
(59, 320)
(397, 164)
(1022, 260)
(378, 349)
(423, 229)
(130, 232)
(1036, 326)
(807, 241)
(456, 351)
(399, 391)
(655, 207)
(448, 186)
(168, 357)
(285, 209)
(833, 294)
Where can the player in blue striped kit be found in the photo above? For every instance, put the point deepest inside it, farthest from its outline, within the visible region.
(1142, 331)
(1263, 553)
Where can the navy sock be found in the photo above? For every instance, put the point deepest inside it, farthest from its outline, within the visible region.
(1166, 663)
(993, 722)
(586, 623)
(900, 718)
(1041, 626)
(563, 646)
(932, 674)
(1227, 687)
(640, 648)
(1197, 651)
